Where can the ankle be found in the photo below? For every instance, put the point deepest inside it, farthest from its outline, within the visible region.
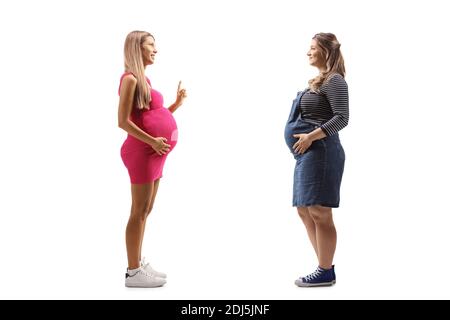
(325, 267)
(133, 271)
(134, 266)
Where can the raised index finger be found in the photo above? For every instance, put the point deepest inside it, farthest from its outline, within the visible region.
(179, 85)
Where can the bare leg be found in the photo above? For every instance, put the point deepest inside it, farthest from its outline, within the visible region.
(141, 195)
(325, 234)
(149, 210)
(310, 226)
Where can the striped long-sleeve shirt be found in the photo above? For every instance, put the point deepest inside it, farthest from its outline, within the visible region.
(328, 108)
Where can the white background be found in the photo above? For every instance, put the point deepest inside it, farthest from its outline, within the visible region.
(222, 226)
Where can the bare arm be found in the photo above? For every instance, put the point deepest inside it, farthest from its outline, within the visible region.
(173, 107)
(181, 95)
(127, 91)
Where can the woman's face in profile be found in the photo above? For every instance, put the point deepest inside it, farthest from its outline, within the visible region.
(149, 51)
(315, 56)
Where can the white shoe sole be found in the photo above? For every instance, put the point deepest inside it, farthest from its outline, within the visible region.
(132, 285)
(308, 285)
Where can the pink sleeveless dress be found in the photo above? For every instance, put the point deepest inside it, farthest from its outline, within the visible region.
(143, 163)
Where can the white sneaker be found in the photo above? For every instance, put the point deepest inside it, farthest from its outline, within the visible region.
(142, 279)
(147, 267)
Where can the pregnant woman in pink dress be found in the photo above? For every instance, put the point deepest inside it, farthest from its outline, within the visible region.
(152, 134)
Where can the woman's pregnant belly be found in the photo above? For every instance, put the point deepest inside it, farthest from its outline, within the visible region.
(161, 123)
(294, 128)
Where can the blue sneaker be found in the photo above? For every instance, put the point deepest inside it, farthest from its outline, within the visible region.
(318, 278)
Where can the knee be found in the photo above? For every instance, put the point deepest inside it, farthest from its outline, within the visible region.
(139, 212)
(321, 215)
(303, 213)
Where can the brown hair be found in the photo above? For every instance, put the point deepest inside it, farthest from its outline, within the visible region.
(135, 65)
(330, 49)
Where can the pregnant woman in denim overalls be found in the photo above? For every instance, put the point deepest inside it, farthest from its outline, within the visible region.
(311, 133)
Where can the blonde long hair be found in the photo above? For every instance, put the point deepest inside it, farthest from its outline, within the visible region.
(330, 49)
(135, 64)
